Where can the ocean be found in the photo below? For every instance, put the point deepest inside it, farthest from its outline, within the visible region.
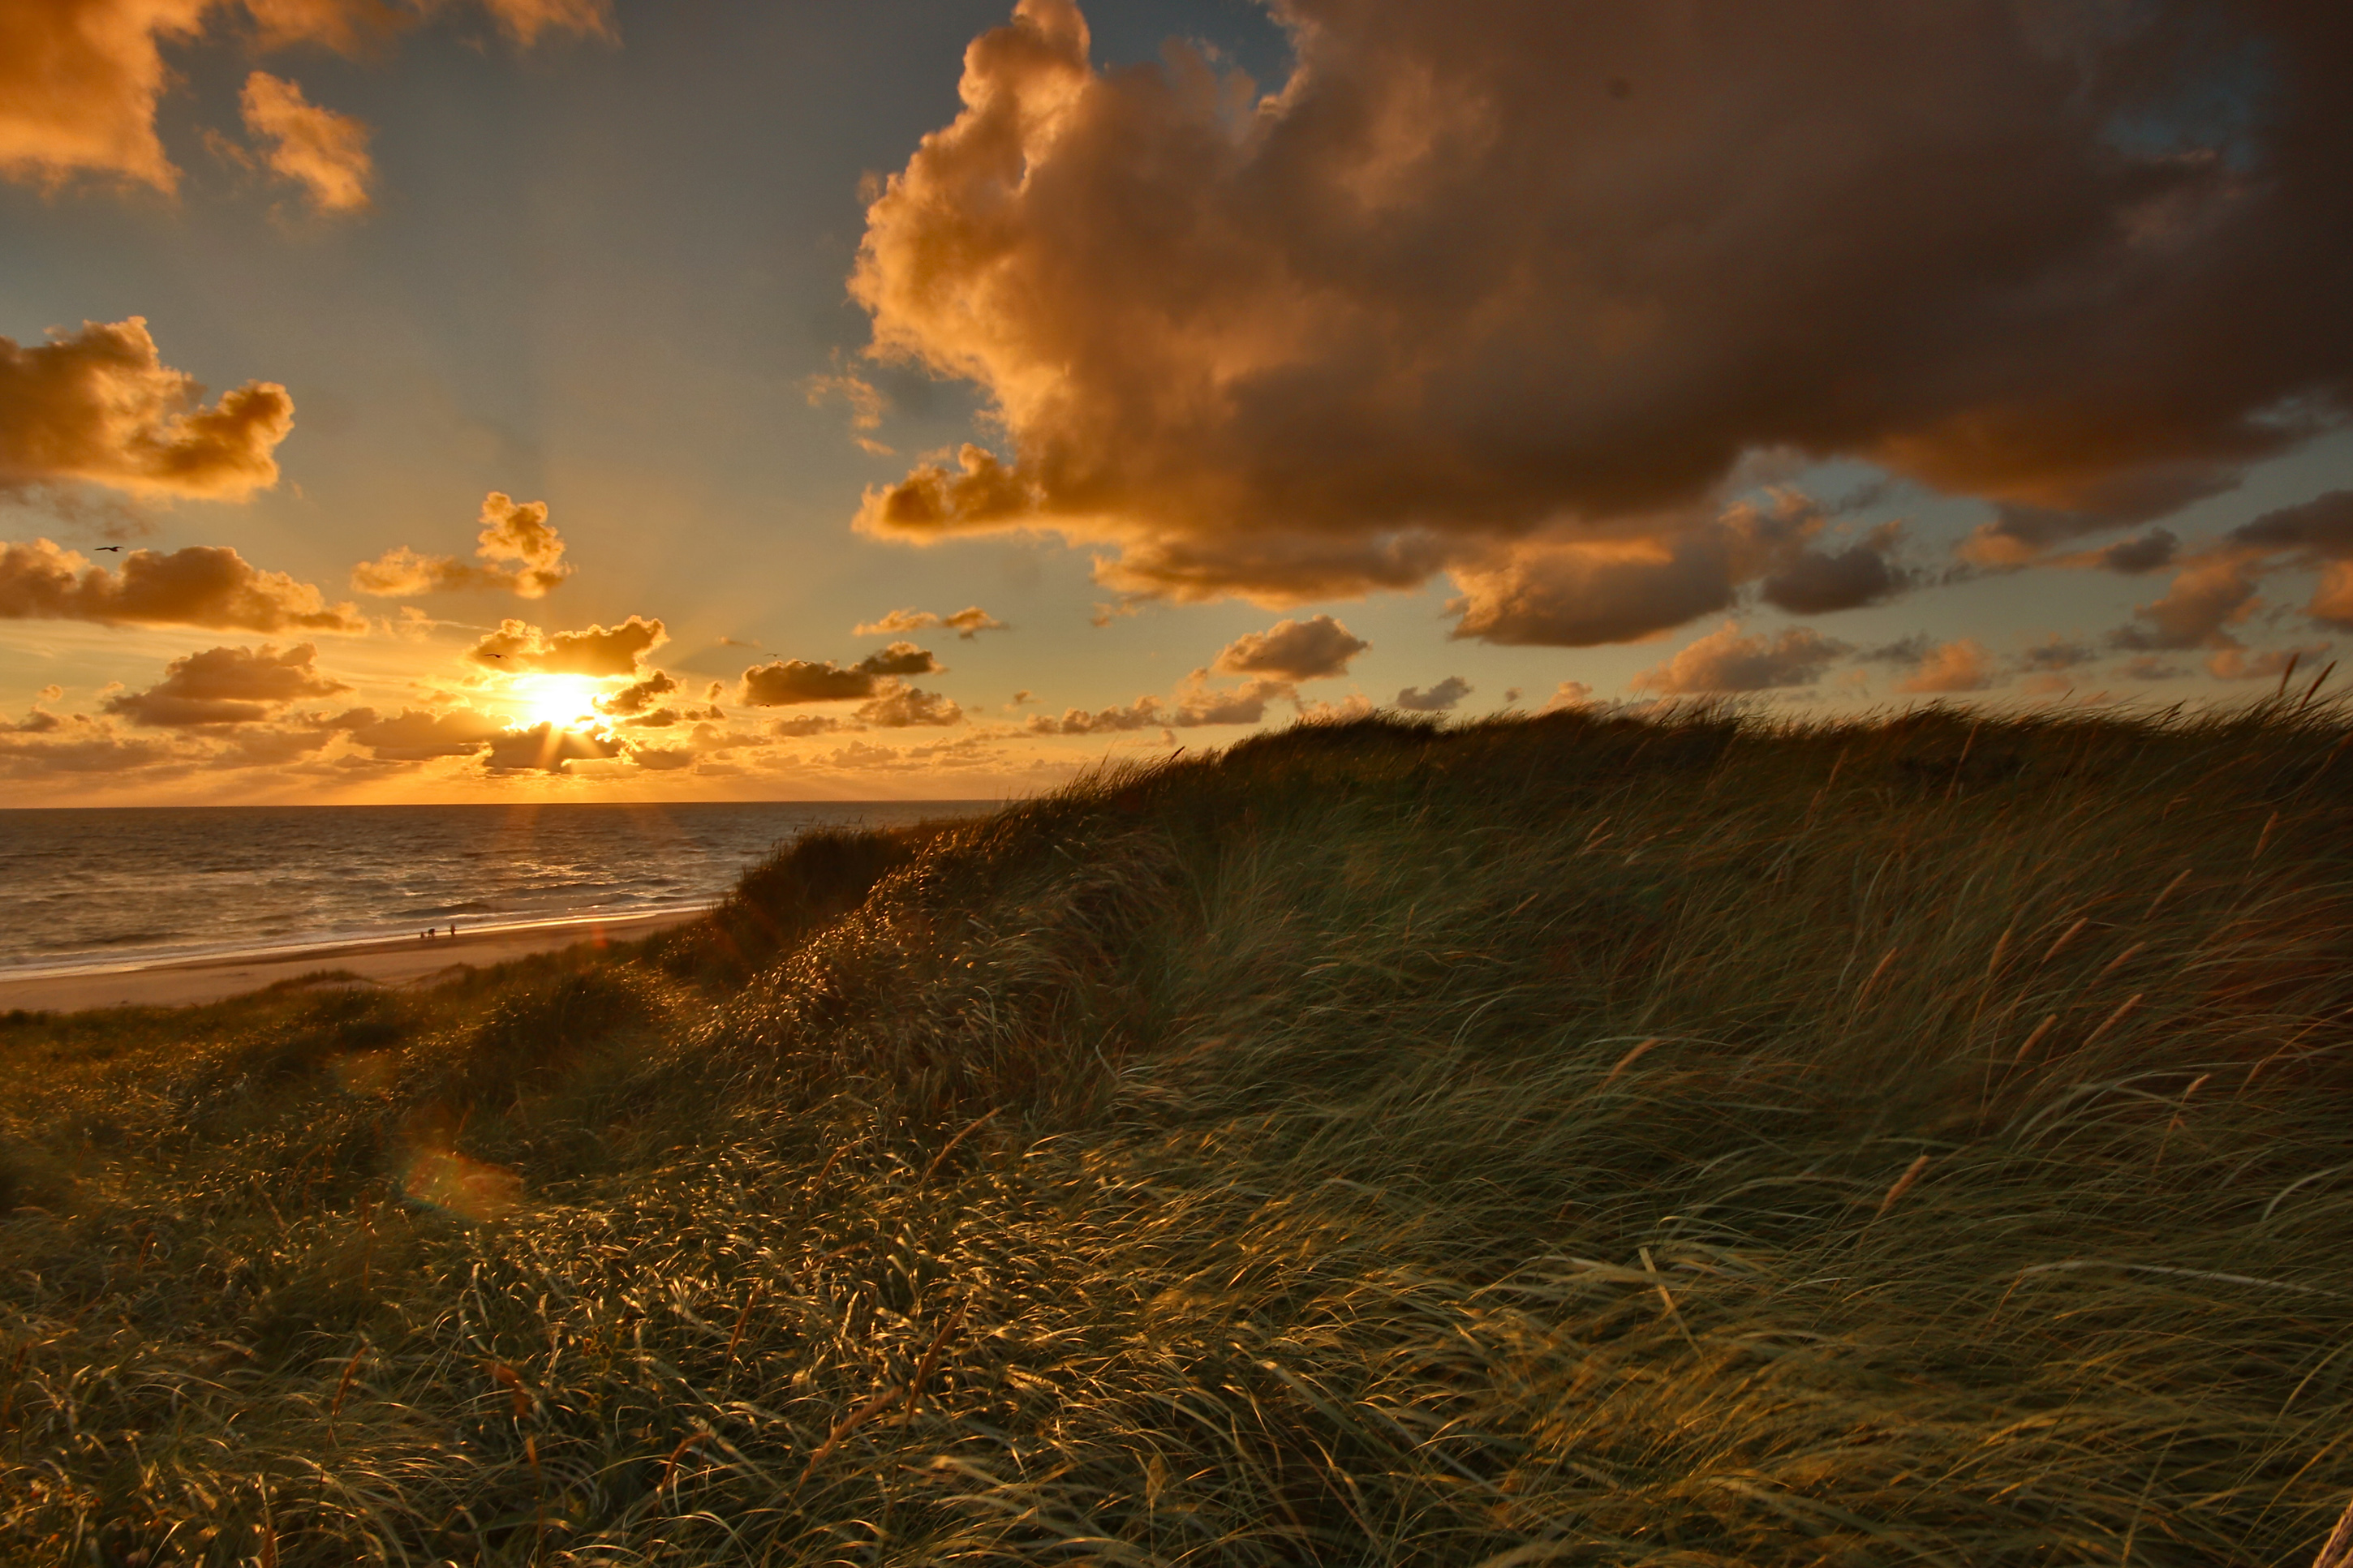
(110, 887)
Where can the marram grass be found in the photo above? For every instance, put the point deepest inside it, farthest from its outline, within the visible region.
(1573, 1140)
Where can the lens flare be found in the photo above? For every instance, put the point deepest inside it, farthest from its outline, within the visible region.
(470, 1189)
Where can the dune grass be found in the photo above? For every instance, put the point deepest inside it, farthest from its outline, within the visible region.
(1584, 1140)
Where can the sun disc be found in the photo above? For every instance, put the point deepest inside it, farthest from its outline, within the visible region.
(560, 701)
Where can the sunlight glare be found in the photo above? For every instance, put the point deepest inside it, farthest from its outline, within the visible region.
(562, 701)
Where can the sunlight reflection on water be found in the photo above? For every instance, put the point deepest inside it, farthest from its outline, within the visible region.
(100, 886)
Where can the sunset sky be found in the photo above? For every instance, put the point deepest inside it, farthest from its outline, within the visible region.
(556, 399)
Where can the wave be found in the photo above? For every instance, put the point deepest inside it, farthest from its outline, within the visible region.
(125, 939)
(110, 884)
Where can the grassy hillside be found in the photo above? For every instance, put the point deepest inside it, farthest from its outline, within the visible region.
(1578, 1140)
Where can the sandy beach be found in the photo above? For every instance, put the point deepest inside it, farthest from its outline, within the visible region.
(400, 962)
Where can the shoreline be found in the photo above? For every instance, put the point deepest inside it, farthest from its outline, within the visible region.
(391, 961)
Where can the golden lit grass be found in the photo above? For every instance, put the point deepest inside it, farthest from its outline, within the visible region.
(1571, 1141)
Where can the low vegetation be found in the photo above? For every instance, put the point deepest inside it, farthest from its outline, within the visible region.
(1579, 1140)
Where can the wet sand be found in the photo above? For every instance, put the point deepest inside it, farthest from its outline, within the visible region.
(394, 962)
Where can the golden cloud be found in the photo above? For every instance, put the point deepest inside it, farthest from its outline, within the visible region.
(868, 403)
(1953, 667)
(2209, 595)
(201, 586)
(967, 623)
(345, 26)
(1726, 661)
(784, 682)
(1194, 703)
(79, 80)
(2316, 534)
(525, 20)
(1574, 594)
(900, 706)
(359, 26)
(1562, 591)
(2273, 664)
(84, 747)
(511, 531)
(548, 748)
(101, 405)
(1569, 694)
(401, 573)
(38, 721)
(1443, 291)
(1314, 649)
(637, 697)
(2215, 588)
(228, 686)
(418, 735)
(520, 648)
(322, 151)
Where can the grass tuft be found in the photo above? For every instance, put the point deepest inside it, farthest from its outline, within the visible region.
(1586, 1139)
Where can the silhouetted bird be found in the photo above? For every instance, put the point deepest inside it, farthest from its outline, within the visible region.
(116, 548)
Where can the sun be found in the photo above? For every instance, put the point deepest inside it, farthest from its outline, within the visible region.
(560, 701)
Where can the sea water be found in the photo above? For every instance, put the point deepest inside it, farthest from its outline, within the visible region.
(109, 887)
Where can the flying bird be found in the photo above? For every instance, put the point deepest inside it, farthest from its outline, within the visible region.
(116, 548)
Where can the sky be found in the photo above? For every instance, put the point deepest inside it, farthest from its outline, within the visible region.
(485, 400)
